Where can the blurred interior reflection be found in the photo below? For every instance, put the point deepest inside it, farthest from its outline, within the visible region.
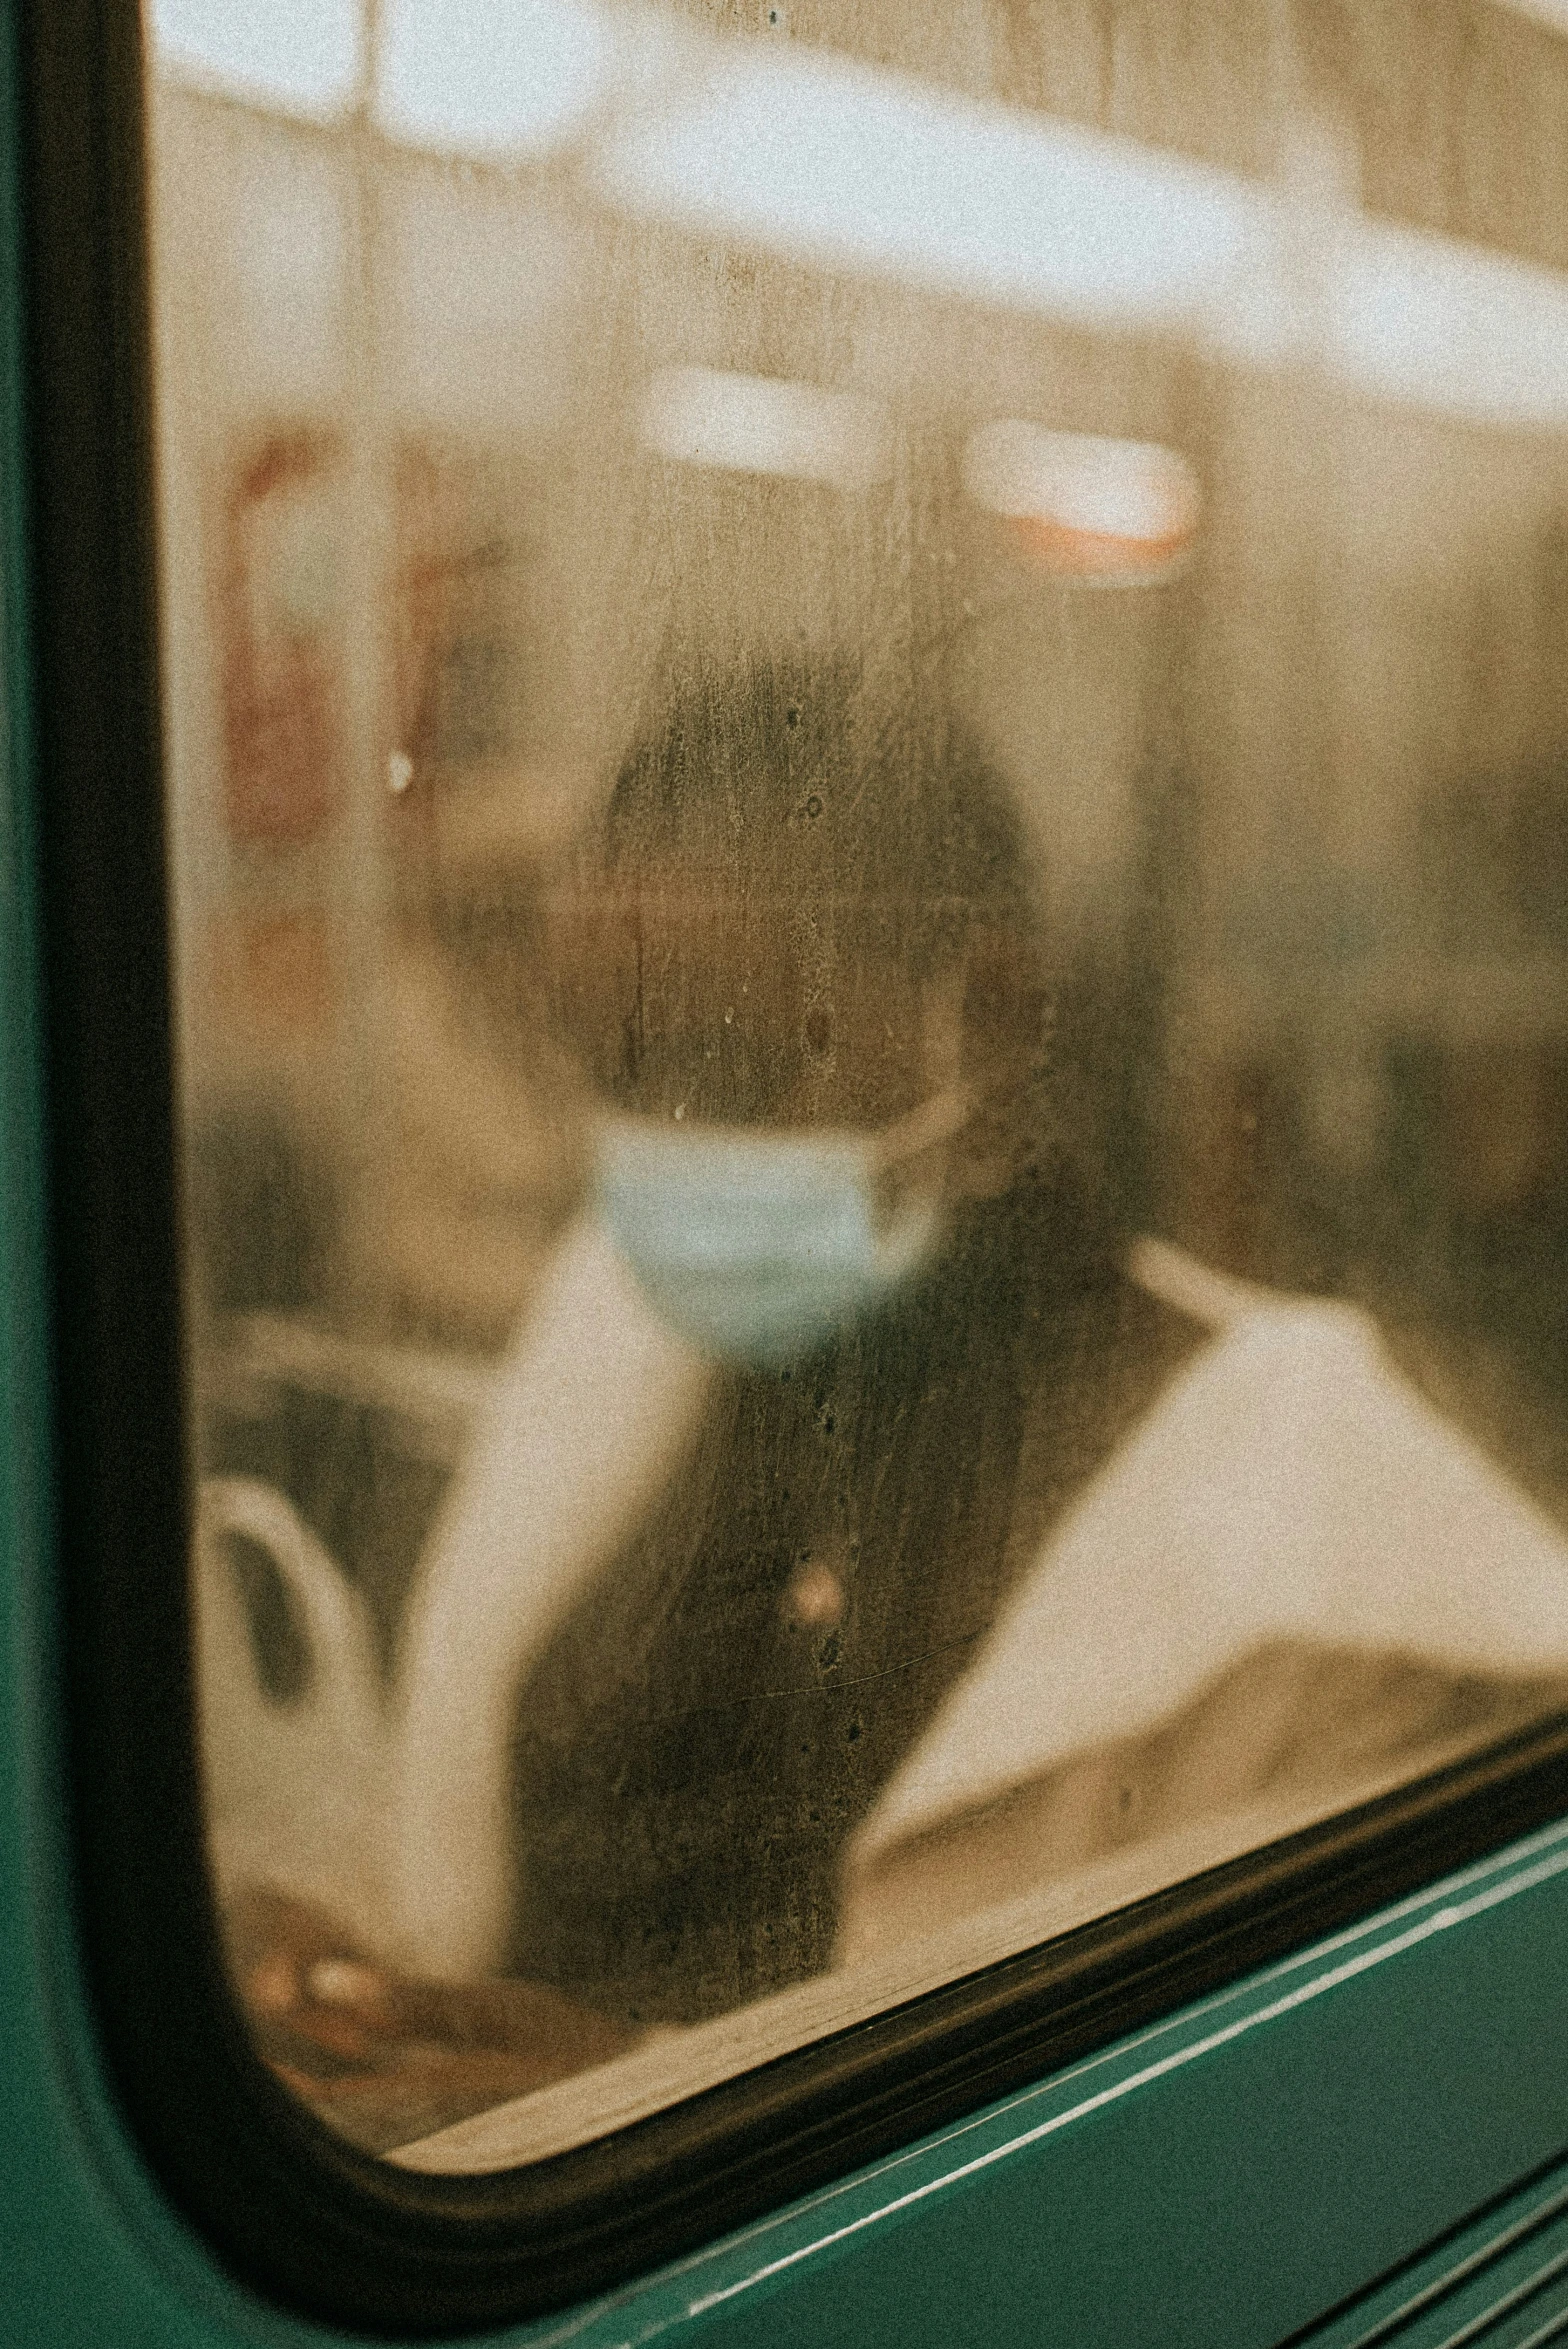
(866, 720)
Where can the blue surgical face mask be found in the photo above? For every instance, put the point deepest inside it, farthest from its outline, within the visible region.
(758, 1246)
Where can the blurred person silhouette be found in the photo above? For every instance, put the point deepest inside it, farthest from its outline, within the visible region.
(936, 1535)
(855, 1147)
(866, 1527)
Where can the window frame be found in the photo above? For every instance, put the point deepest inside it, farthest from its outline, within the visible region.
(288, 2209)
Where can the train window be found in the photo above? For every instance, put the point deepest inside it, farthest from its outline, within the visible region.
(868, 823)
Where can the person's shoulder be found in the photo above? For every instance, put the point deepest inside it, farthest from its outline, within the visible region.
(1296, 1433)
(1287, 1484)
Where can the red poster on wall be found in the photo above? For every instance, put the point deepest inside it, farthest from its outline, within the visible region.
(281, 620)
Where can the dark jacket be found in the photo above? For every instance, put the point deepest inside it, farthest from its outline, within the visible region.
(690, 1758)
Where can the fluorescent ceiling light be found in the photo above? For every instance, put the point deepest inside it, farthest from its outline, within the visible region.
(490, 79)
(824, 160)
(754, 424)
(1106, 512)
(1548, 12)
(301, 57)
(1430, 322)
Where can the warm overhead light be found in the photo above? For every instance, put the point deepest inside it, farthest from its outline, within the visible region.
(295, 56)
(824, 160)
(489, 79)
(1105, 512)
(1547, 12)
(827, 161)
(757, 424)
(830, 161)
(1429, 322)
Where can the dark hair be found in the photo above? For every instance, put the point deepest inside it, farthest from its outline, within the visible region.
(846, 844)
(800, 789)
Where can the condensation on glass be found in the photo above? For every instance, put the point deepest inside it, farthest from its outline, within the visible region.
(866, 717)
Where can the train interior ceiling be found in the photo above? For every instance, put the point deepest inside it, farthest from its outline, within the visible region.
(479, 395)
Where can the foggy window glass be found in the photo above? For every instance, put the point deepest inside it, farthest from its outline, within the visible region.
(868, 758)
